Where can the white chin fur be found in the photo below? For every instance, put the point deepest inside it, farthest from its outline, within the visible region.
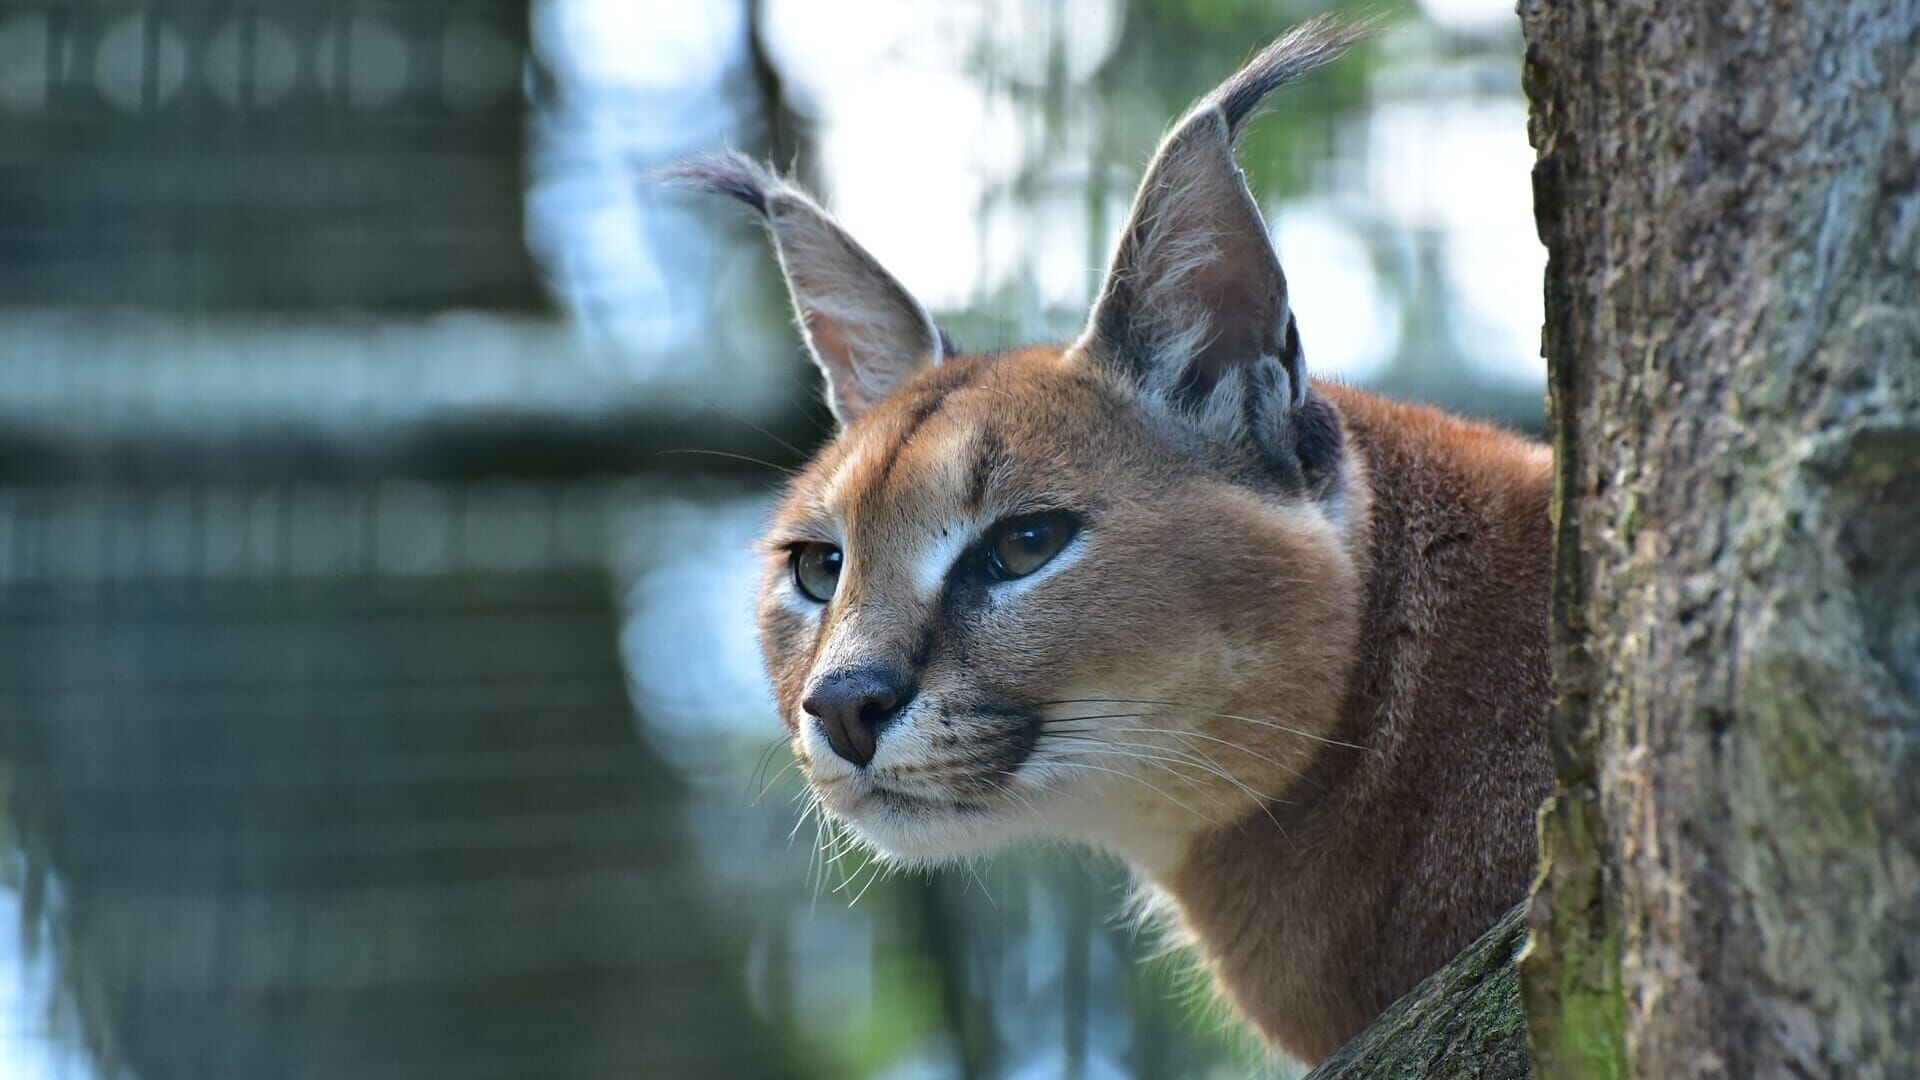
(921, 837)
(1151, 842)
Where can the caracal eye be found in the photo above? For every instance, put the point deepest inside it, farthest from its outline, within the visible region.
(1025, 544)
(816, 570)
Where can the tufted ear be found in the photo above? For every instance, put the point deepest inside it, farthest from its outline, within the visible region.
(1194, 308)
(867, 333)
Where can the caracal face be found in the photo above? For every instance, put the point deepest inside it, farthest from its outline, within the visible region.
(1057, 615)
(1106, 590)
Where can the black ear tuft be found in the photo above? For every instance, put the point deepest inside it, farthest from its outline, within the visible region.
(865, 331)
(1316, 42)
(1194, 310)
(1318, 442)
(730, 173)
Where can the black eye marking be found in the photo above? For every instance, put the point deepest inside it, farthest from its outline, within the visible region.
(816, 570)
(922, 650)
(989, 458)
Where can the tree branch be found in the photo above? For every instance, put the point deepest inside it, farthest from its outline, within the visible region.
(1462, 1021)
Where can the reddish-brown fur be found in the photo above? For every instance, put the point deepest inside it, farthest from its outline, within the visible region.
(1407, 852)
(1374, 866)
(1290, 665)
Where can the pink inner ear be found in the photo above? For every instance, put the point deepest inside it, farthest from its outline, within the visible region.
(1237, 289)
(829, 338)
(851, 395)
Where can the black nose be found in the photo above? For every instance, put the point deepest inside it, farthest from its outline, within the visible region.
(852, 706)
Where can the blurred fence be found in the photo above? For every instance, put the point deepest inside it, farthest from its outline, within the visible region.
(337, 782)
(374, 829)
(287, 154)
(378, 458)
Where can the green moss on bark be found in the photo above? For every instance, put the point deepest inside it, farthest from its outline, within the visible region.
(1570, 971)
(1463, 1022)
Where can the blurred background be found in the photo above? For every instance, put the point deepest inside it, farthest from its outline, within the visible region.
(379, 452)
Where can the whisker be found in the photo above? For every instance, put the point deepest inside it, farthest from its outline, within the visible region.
(813, 803)
(840, 840)
(760, 766)
(1129, 776)
(823, 831)
(1204, 764)
(1278, 726)
(974, 872)
(1263, 801)
(1275, 724)
(878, 869)
(1180, 734)
(1097, 716)
(1024, 800)
(748, 458)
(774, 779)
(854, 874)
(1260, 799)
(951, 763)
(813, 858)
(844, 851)
(835, 844)
(734, 416)
(1138, 752)
(1014, 792)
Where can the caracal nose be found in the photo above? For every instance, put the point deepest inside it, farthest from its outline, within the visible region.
(852, 707)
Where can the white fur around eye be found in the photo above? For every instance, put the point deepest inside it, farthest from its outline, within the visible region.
(788, 595)
(791, 600)
(1003, 591)
(937, 556)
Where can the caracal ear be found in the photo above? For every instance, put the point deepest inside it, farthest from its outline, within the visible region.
(1194, 308)
(867, 333)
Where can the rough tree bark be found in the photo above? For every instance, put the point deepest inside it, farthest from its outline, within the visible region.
(1730, 195)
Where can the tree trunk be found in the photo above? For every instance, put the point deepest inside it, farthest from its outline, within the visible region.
(1730, 195)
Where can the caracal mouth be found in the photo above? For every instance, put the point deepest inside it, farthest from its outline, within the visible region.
(921, 824)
